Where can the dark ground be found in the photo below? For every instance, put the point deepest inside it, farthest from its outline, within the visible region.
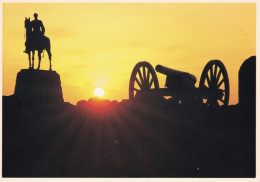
(110, 139)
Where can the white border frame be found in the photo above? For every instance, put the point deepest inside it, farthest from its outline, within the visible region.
(257, 179)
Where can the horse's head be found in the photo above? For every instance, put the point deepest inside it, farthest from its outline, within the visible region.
(27, 23)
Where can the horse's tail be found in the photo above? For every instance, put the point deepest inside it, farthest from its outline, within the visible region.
(47, 46)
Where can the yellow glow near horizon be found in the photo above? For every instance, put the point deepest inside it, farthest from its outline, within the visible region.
(98, 44)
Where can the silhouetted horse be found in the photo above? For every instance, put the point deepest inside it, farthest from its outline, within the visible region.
(36, 43)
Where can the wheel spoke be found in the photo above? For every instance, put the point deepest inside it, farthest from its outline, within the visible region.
(144, 74)
(221, 100)
(205, 86)
(207, 78)
(211, 73)
(135, 89)
(217, 79)
(138, 82)
(216, 102)
(148, 77)
(140, 76)
(215, 72)
(220, 83)
(212, 102)
(150, 84)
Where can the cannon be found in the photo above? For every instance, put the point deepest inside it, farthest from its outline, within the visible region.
(213, 87)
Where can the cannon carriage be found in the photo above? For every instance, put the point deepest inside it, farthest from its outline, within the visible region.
(213, 87)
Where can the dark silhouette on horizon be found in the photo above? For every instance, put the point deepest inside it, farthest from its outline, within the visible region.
(43, 136)
(247, 84)
(213, 87)
(98, 138)
(36, 41)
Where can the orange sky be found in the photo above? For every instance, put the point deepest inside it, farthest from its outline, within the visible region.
(98, 44)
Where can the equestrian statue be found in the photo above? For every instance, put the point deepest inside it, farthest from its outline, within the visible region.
(36, 41)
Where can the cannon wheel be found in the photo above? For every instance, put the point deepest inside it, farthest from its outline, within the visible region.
(143, 78)
(214, 84)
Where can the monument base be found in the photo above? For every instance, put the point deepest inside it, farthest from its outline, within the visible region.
(38, 86)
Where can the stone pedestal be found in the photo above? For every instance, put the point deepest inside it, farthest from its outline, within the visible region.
(38, 86)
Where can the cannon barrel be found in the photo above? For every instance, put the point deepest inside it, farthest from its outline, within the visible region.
(175, 77)
(168, 71)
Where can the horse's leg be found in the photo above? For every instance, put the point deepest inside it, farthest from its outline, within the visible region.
(29, 57)
(39, 57)
(49, 55)
(48, 49)
(33, 52)
(50, 63)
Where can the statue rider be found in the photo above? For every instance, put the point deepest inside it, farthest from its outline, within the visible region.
(38, 31)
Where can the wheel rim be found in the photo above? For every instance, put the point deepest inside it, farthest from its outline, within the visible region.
(214, 84)
(143, 78)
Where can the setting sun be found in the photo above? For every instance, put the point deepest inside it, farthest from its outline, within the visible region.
(99, 92)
